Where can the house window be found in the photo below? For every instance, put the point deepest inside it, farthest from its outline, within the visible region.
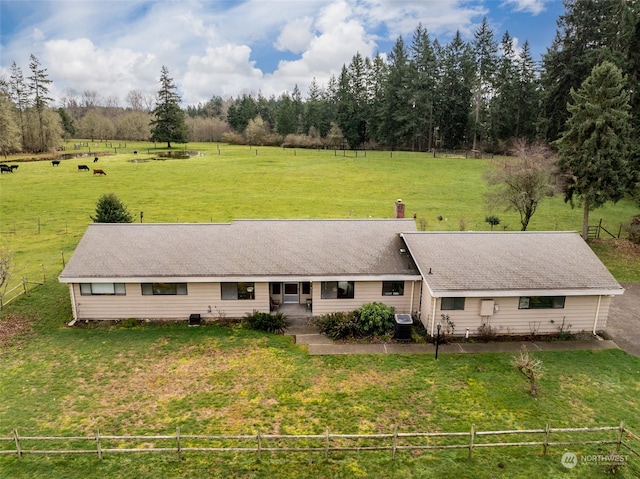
(164, 289)
(541, 302)
(337, 289)
(450, 304)
(275, 288)
(237, 290)
(393, 288)
(306, 288)
(87, 289)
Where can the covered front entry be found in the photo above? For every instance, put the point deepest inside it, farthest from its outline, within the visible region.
(291, 293)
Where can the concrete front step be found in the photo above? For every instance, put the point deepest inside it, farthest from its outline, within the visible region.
(313, 339)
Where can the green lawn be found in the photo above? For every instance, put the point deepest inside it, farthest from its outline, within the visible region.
(213, 380)
(216, 380)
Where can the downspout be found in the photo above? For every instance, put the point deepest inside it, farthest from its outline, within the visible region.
(73, 302)
(413, 288)
(595, 321)
(433, 315)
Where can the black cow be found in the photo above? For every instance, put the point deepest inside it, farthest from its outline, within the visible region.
(55, 162)
(5, 169)
(83, 168)
(14, 167)
(95, 160)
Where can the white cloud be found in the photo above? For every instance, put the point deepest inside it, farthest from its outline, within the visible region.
(110, 72)
(226, 70)
(531, 6)
(295, 35)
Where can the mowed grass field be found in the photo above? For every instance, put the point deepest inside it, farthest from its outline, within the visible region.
(152, 379)
(45, 209)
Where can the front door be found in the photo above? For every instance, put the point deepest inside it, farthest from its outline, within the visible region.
(291, 294)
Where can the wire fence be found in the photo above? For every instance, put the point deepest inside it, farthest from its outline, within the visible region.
(619, 437)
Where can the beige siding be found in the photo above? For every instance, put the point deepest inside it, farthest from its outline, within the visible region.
(578, 314)
(365, 292)
(197, 300)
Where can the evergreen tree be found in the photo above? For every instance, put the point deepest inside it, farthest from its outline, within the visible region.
(527, 96)
(503, 106)
(455, 93)
(19, 95)
(485, 51)
(424, 80)
(39, 87)
(169, 119)
(286, 123)
(594, 148)
(109, 209)
(589, 33)
(398, 102)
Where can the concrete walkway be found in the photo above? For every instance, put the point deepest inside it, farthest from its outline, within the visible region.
(319, 344)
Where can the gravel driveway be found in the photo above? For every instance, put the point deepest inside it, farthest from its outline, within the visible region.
(624, 319)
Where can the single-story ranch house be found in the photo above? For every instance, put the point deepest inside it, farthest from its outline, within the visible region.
(516, 283)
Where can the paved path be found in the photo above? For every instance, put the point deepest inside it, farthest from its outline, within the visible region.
(319, 344)
(624, 319)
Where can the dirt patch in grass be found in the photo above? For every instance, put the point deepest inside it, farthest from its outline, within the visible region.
(14, 328)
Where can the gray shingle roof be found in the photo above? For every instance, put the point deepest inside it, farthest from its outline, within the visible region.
(242, 248)
(484, 261)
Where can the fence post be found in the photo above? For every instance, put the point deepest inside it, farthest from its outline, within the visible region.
(620, 435)
(17, 440)
(326, 451)
(259, 445)
(473, 433)
(98, 445)
(395, 440)
(546, 438)
(178, 443)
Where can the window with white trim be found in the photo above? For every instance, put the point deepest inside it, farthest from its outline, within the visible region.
(231, 291)
(337, 289)
(393, 288)
(93, 289)
(451, 304)
(541, 302)
(164, 289)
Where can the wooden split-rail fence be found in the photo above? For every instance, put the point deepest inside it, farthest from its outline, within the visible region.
(619, 437)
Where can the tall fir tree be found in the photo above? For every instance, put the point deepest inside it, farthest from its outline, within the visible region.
(485, 51)
(19, 92)
(424, 79)
(588, 33)
(455, 94)
(594, 148)
(169, 119)
(39, 86)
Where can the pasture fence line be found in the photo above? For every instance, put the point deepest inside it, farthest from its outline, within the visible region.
(326, 443)
(18, 290)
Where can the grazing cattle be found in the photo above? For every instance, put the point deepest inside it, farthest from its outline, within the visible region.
(135, 152)
(55, 162)
(83, 167)
(95, 160)
(5, 169)
(99, 172)
(14, 167)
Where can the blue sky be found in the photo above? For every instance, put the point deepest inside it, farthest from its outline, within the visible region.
(229, 47)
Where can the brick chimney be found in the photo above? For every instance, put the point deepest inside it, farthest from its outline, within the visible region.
(399, 208)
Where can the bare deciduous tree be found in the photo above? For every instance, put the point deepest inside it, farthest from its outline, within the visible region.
(522, 181)
(530, 367)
